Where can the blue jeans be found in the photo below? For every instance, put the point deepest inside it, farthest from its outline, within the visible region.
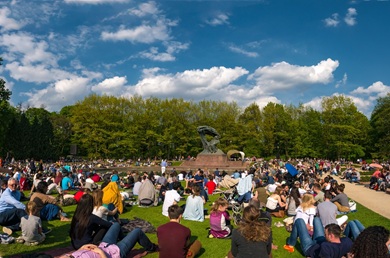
(300, 230)
(49, 211)
(246, 197)
(127, 243)
(353, 229)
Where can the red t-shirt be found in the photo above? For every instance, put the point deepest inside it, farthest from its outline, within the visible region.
(78, 194)
(172, 240)
(210, 186)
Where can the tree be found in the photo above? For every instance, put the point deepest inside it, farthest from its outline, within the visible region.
(380, 131)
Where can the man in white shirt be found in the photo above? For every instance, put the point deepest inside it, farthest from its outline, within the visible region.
(171, 197)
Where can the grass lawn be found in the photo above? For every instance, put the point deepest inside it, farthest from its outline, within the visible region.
(215, 248)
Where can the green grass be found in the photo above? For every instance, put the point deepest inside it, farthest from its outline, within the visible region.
(216, 248)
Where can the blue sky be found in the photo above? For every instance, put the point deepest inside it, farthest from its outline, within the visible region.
(56, 52)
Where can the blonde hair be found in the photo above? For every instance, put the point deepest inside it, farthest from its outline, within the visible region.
(219, 202)
(31, 207)
(307, 201)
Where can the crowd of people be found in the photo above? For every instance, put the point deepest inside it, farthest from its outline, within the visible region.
(312, 201)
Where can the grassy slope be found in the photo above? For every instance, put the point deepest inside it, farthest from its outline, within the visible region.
(215, 248)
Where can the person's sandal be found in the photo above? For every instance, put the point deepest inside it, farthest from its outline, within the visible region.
(289, 248)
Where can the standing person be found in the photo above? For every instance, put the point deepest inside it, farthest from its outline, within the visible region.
(31, 227)
(174, 240)
(163, 165)
(86, 228)
(220, 226)
(252, 238)
(194, 206)
(11, 209)
(171, 197)
(328, 243)
(374, 241)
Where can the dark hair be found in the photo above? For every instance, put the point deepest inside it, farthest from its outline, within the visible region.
(371, 242)
(328, 195)
(294, 194)
(333, 229)
(174, 211)
(341, 187)
(42, 187)
(176, 185)
(81, 217)
(195, 191)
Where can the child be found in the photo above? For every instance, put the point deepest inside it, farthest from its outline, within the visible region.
(210, 185)
(219, 220)
(100, 210)
(31, 227)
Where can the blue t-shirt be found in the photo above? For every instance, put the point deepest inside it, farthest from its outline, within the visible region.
(65, 183)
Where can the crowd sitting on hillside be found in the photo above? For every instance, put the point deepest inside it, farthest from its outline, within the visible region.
(314, 203)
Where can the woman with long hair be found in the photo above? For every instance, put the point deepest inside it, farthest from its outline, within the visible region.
(87, 228)
(293, 201)
(100, 210)
(372, 242)
(252, 238)
(194, 206)
(307, 211)
(274, 204)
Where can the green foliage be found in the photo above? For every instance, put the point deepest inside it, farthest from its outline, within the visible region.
(380, 133)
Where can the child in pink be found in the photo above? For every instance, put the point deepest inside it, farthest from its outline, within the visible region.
(219, 220)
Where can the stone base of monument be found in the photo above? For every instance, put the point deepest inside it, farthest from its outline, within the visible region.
(213, 160)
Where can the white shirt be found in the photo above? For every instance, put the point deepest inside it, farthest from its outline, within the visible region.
(136, 187)
(171, 196)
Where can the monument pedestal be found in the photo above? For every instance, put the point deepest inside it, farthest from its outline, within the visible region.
(214, 160)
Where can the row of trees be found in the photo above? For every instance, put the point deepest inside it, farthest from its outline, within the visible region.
(111, 127)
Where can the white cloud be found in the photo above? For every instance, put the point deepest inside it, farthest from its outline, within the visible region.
(219, 19)
(112, 86)
(350, 17)
(7, 23)
(144, 33)
(37, 73)
(377, 89)
(332, 21)
(59, 94)
(342, 81)
(283, 76)
(172, 47)
(190, 84)
(25, 47)
(145, 9)
(96, 1)
(239, 50)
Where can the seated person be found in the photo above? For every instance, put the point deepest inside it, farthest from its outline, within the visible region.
(328, 243)
(374, 241)
(194, 209)
(147, 195)
(174, 240)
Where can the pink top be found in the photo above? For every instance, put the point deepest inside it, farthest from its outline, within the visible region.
(111, 250)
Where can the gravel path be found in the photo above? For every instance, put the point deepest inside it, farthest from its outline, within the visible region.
(376, 201)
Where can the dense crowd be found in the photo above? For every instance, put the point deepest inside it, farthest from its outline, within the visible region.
(313, 204)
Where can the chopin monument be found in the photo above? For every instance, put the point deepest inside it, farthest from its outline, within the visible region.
(211, 156)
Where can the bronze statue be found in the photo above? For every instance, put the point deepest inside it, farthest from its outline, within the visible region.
(209, 146)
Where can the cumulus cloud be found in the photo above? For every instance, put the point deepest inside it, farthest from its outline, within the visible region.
(239, 50)
(332, 21)
(27, 48)
(219, 19)
(7, 23)
(282, 76)
(145, 9)
(190, 84)
(112, 86)
(377, 89)
(59, 94)
(350, 17)
(96, 1)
